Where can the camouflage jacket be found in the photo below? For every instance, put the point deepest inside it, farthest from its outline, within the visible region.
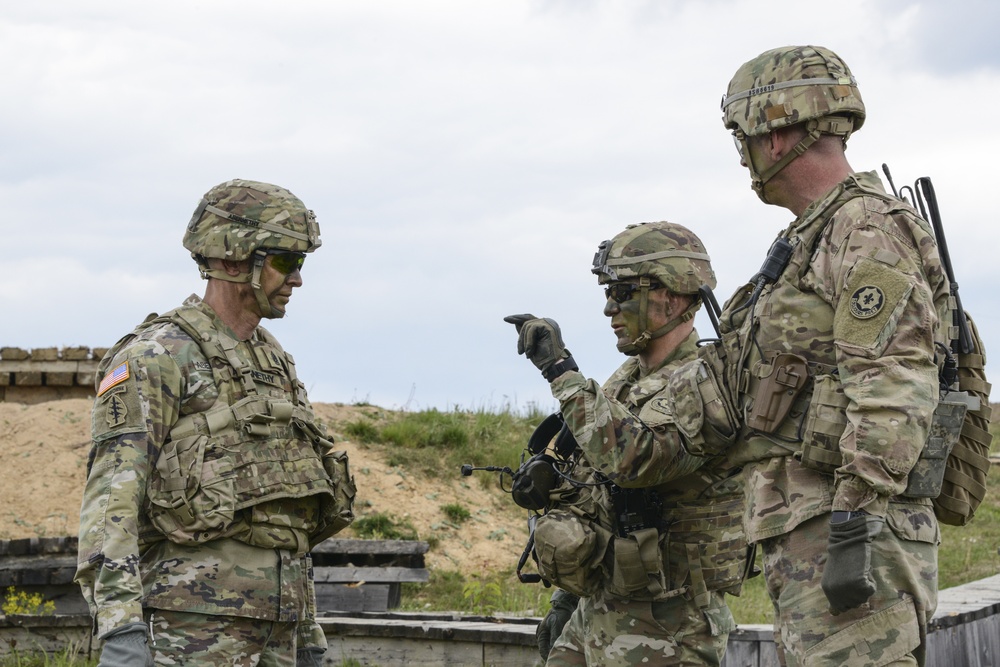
(159, 377)
(626, 431)
(864, 299)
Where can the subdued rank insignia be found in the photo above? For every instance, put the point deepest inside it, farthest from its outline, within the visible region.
(867, 302)
(116, 410)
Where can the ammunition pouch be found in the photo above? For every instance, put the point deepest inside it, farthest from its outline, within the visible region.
(826, 421)
(572, 539)
(637, 565)
(927, 475)
(701, 408)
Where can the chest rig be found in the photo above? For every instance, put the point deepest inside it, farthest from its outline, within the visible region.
(255, 466)
(786, 381)
(699, 532)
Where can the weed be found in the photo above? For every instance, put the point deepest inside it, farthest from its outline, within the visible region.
(362, 431)
(21, 602)
(482, 597)
(456, 512)
(379, 526)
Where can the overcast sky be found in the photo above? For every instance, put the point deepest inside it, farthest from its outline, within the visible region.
(464, 159)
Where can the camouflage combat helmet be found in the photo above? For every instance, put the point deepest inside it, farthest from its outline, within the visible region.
(246, 220)
(655, 254)
(788, 86)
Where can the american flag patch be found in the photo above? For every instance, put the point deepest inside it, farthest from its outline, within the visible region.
(117, 376)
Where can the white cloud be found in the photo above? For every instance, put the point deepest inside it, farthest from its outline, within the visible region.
(464, 160)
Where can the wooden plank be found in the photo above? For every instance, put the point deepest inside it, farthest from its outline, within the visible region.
(353, 599)
(394, 652)
(371, 574)
(51, 634)
(348, 546)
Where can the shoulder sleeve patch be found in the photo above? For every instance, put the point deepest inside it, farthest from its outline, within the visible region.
(114, 377)
(870, 306)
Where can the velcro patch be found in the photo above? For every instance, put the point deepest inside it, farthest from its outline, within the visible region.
(871, 304)
(115, 377)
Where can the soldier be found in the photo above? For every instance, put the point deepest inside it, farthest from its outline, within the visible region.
(830, 354)
(210, 478)
(652, 585)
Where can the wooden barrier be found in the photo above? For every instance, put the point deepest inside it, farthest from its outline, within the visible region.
(351, 575)
(965, 632)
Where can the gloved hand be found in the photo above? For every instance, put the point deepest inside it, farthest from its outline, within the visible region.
(847, 577)
(549, 629)
(541, 342)
(127, 646)
(309, 657)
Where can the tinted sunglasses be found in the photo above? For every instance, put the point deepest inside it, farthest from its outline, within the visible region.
(622, 292)
(287, 262)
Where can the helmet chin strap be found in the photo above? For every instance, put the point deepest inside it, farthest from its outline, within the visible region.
(815, 128)
(640, 342)
(267, 311)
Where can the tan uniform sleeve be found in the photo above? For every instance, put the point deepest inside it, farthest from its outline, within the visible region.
(629, 451)
(130, 422)
(885, 327)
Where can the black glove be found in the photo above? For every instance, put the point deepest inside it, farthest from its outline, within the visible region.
(549, 629)
(847, 577)
(309, 657)
(127, 647)
(541, 342)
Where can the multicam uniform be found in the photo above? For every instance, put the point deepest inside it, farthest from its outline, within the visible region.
(208, 482)
(660, 599)
(863, 301)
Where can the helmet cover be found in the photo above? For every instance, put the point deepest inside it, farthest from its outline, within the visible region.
(670, 253)
(791, 85)
(236, 218)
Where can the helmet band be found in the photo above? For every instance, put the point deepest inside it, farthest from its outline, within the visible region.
(771, 87)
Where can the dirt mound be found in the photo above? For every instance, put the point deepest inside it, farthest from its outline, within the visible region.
(43, 459)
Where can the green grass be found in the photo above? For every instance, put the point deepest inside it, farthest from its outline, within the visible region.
(967, 553)
(438, 443)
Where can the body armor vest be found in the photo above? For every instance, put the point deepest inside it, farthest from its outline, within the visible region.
(255, 466)
(700, 535)
(786, 385)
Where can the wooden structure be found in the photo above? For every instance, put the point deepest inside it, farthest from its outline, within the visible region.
(48, 373)
(365, 575)
(965, 631)
(351, 575)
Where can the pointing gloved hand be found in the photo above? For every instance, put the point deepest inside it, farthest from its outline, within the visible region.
(541, 342)
(847, 577)
(548, 631)
(127, 646)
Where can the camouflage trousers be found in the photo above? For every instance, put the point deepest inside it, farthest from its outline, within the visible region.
(622, 633)
(889, 629)
(184, 638)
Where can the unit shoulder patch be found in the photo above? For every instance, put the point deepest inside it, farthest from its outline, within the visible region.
(870, 306)
(867, 301)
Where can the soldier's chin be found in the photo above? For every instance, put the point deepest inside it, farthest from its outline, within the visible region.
(626, 346)
(277, 312)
